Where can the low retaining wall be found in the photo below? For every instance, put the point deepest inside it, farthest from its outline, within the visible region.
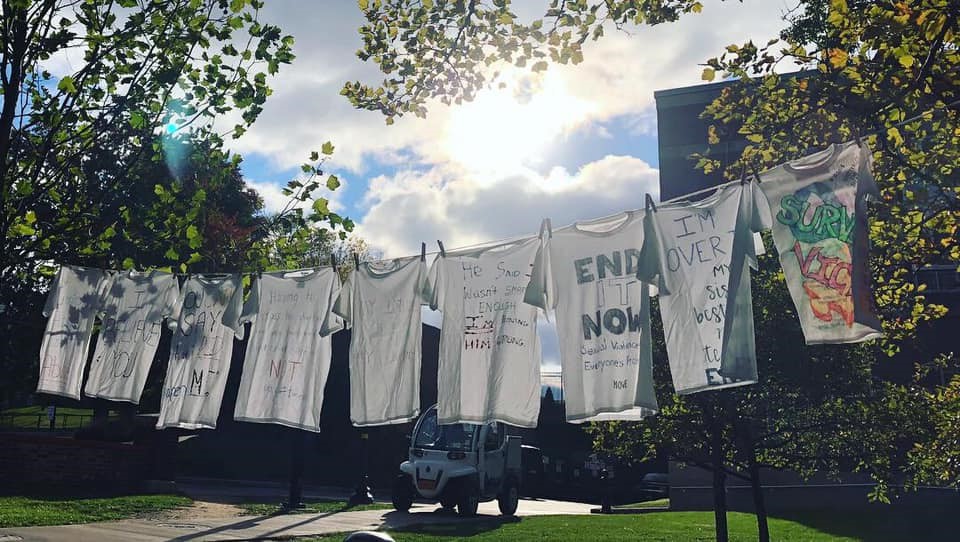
(30, 461)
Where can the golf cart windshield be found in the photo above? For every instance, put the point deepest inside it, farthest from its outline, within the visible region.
(433, 436)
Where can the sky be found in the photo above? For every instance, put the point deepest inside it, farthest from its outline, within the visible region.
(577, 142)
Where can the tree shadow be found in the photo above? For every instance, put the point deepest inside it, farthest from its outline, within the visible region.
(446, 524)
(882, 523)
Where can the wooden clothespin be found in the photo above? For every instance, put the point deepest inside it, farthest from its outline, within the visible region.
(333, 261)
(423, 252)
(443, 253)
(743, 174)
(356, 261)
(649, 204)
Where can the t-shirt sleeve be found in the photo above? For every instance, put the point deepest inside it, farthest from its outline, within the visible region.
(343, 305)
(252, 307)
(434, 285)
(51, 303)
(541, 291)
(866, 183)
(331, 322)
(650, 267)
(172, 300)
(234, 309)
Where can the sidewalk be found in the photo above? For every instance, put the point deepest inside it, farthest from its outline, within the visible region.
(273, 527)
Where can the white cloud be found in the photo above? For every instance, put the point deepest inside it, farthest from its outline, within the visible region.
(617, 78)
(413, 206)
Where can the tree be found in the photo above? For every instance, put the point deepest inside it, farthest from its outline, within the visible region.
(886, 71)
(145, 71)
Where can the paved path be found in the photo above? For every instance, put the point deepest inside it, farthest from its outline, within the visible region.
(276, 527)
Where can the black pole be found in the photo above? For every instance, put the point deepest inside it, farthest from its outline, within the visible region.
(295, 498)
(362, 493)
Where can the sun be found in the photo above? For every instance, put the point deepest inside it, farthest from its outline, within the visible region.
(506, 129)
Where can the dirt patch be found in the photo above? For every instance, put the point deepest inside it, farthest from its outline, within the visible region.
(200, 510)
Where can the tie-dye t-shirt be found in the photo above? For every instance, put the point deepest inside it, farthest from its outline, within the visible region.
(818, 204)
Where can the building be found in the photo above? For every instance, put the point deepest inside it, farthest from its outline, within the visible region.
(681, 133)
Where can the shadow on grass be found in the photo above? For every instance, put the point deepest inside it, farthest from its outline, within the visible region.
(883, 523)
(459, 529)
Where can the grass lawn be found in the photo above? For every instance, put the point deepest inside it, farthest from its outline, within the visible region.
(26, 417)
(28, 511)
(878, 525)
(314, 507)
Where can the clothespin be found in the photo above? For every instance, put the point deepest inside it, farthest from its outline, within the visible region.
(333, 261)
(356, 261)
(546, 227)
(743, 174)
(443, 252)
(423, 252)
(650, 205)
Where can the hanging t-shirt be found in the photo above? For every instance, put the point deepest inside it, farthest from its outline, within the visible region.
(132, 320)
(200, 353)
(819, 204)
(75, 298)
(588, 273)
(381, 302)
(288, 356)
(489, 348)
(699, 249)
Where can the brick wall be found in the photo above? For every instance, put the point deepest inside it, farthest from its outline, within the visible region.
(36, 461)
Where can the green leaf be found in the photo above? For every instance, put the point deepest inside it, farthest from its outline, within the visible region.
(327, 148)
(30, 217)
(539, 66)
(128, 263)
(67, 85)
(708, 74)
(23, 230)
(333, 182)
(320, 206)
(171, 254)
(906, 60)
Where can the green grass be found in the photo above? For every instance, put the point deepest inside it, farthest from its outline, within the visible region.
(26, 417)
(28, 511)
(877, 525)
(314, 507)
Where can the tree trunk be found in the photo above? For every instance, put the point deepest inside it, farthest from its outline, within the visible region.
(759, 506)
(719, 484)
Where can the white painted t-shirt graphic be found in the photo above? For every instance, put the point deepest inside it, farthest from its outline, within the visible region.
(489, 348)
(699, 250)
(588, 273)
(200, 352)
(75, 298)
(133, 316)
(381, 302)
(287, 361)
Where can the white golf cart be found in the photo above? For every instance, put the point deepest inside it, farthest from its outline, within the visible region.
(460, 465)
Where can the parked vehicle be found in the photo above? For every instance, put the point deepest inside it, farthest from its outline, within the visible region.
(460, 466)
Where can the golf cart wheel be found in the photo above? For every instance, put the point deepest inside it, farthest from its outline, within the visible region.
(509, 497)
(469, 498)
(402, 494)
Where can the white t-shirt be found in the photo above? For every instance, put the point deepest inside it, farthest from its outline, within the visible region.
(381, 302)
(200, 353)
(132, 319)
(588, 272)
(489, 348)
(820, 229)
(288, 356)
(699, 249)
(75, 298)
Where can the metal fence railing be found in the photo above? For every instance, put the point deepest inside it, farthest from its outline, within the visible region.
(41, 422)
